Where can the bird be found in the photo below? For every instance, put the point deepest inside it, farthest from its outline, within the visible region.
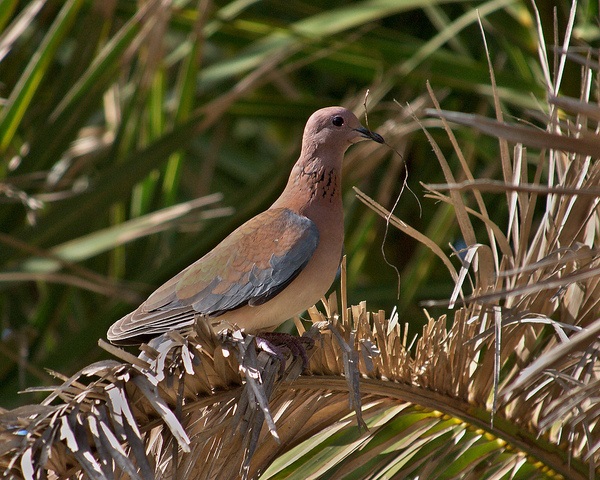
(275, 265)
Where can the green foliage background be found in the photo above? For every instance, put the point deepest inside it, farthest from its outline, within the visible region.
(113, 110)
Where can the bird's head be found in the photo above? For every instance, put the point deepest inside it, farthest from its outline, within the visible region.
(336, 128)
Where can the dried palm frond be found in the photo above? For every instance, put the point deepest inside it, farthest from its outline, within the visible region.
(194, 407)
(540, 300)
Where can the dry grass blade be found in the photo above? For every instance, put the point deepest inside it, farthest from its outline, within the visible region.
(584, 144)
(576, 106)
(407, 229)
(552, 359)
(488, 185)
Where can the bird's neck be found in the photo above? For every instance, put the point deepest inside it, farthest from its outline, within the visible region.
(313, 185)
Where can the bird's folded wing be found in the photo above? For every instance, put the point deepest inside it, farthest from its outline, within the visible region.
(249, 267)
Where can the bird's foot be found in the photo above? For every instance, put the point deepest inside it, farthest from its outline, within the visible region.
(279, 343)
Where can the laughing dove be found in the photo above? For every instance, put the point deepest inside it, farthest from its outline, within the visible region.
(275, 265)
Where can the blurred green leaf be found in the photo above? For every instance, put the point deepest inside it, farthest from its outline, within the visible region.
(20, 98)
(100, 241)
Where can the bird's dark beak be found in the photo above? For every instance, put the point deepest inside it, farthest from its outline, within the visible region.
(371, 135)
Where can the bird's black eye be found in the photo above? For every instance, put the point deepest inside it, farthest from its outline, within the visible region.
(337, 121)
